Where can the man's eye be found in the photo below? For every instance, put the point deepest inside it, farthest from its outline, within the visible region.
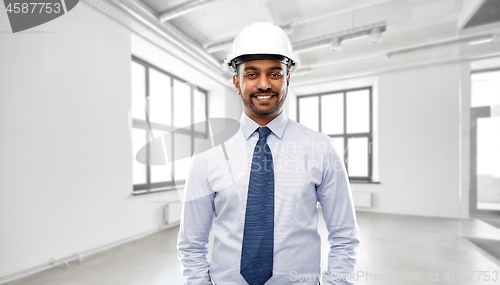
(250, 75)
(276, 75)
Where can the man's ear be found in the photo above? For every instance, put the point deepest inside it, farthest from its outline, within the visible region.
(288, 79)
(236, 82)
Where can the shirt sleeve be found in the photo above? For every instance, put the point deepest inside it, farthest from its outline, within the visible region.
(196, 224)
(334, 195)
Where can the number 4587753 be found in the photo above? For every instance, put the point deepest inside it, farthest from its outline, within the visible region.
(32, 8)
(483, 275)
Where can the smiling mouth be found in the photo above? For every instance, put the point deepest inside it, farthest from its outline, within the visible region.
(263, 97)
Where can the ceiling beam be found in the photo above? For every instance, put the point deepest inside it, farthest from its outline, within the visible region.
(469, 39)
(182, 9)
(143, 21)
(143, 13)
(377, 71)
(353, 8)
(343, 35)
(392, 54)
(220, 45)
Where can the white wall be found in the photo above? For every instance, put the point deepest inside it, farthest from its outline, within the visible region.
(223, 102)
(65, 162)
(418, 128)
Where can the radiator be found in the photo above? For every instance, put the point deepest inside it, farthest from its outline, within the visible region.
(172, 213)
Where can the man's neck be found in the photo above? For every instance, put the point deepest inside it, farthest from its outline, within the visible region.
(261, 120)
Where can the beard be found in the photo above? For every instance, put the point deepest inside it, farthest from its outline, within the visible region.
(267, 112)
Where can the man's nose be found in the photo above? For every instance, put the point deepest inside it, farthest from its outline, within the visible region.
(263, 83)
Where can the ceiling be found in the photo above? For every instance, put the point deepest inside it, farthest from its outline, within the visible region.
(417, 32)
(488, 12)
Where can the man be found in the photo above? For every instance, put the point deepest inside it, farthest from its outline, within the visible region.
(263, 184)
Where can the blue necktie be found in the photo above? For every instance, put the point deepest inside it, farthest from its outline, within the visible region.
(258, 235)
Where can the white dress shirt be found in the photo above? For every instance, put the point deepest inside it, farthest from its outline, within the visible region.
(307, 169)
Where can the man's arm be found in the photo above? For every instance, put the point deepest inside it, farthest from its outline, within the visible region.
(335, 197)
(196, 223)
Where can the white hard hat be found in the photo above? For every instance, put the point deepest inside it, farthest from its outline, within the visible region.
(261, 38)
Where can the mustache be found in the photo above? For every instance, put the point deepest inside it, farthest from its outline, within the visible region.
(267, 91)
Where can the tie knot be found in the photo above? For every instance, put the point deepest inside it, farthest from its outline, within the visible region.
(264, 132)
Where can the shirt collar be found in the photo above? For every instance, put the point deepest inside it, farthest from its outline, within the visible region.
(277, 125)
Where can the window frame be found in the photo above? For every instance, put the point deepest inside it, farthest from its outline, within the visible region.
(148, 126)
(346, 135)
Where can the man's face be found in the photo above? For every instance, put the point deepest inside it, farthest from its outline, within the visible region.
(263, 86)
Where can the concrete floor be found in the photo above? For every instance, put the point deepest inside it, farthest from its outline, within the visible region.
(405, 249)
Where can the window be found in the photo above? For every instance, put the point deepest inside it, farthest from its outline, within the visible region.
(346, 116)
(164, 112)
(485, 88)
(485, 139)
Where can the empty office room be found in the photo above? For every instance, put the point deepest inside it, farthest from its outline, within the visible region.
(232, 142)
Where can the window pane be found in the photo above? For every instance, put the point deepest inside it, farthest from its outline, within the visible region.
(488, 163)
(182, 104)
(339, 146)
(160, 100)
(358, 111)
(161, 173)
(138, 78)
(485, 89)
(199, 110)
(357, 156)
(182, 148)
(308, 112)
(139, 170)
(332, 114)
